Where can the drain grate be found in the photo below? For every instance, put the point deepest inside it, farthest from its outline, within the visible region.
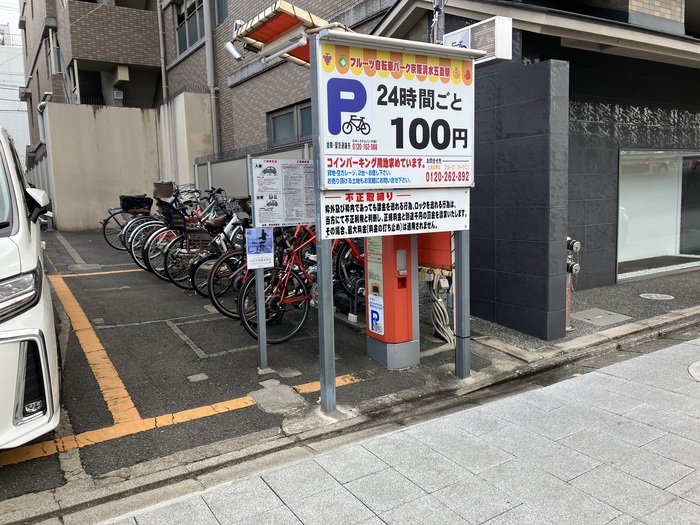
(599, 317)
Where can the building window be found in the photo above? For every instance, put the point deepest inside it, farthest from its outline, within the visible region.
(221, 11)
(290, 125)
(190, 24)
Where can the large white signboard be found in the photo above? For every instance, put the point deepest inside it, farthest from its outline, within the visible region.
(282, 192)
(393, 212)
(389, 119)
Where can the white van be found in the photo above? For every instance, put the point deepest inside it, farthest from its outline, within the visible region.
(29, 356)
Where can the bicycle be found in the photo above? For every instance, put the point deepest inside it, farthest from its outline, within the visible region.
(358, 123)
(130, 207)
(287, 290)
(348, 262)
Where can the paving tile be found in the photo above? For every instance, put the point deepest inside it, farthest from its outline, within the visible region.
(643, 370)
(300, 481)
(422, 511)
(350, 463)
(475, 421)
(667, 420)
(563, 462)
(678, 512)
(548, 496)
(520, 515)
(241, 500)
(278, 516)
(662, 398)
(599, 380)
(688, 487)
(471, 452)
(384, 490)
(543, 399)
(548, 424)
(586, 393)
(678, 449)
(337, 506)
(624, 519)
(476, 501)
(125, 521)
(622, 491)
(185, 512)
(396, 447)
(622, 427)
(432, 471)
(643, 464)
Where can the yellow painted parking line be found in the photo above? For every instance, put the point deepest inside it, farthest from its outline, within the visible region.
(102, 435)
(113, 390)
(92, 274)
(344, 380)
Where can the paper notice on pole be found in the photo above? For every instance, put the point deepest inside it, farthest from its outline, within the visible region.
(283, 192)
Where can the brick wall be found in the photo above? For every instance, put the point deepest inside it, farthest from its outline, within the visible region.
(113, 34)
(667, 9)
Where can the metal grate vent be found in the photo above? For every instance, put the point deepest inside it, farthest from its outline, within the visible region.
(599, 317)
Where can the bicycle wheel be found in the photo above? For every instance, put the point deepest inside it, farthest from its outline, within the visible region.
(112, 227)
(224, 281)
(199, 273)
(286, 306)
(347, 266)
(138, 239)
(133, 229)
(178, 262)
(154, 251)
(130, 226)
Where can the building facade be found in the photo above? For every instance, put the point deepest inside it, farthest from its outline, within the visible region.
(592, 131)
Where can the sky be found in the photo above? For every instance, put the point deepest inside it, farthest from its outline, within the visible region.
(9, 14)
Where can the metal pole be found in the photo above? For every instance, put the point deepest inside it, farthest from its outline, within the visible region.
(262, 325)
(462, 324)
(326, 328)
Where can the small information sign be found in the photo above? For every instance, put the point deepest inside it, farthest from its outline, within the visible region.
(260, 253)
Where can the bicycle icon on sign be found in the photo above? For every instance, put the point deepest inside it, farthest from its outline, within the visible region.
(357, 123)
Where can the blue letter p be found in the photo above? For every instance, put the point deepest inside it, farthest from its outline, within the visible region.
(344, 95)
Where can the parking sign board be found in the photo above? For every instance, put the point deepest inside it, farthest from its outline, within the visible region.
(391, 119)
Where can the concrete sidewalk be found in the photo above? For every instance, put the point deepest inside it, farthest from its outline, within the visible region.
(619, 445)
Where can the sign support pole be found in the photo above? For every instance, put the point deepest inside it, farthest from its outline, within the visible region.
(324, 275)
(462, 312)
(262, 322)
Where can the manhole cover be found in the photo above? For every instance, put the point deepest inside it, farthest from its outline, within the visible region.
(599, 317)
(656, 296)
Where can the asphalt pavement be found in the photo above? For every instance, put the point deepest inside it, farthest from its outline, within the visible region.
(203, 417)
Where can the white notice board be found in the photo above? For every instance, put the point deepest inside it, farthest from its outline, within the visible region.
(282, 192)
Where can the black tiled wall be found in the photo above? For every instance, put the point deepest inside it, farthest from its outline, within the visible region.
(519, 204)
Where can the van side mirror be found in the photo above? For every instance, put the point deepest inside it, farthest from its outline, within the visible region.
(38, 202)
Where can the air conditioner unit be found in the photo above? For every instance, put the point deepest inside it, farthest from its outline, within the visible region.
(118, 94)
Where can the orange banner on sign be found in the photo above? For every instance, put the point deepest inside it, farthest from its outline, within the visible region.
(358, 60)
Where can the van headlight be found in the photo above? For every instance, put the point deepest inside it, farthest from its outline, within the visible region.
(20, 293)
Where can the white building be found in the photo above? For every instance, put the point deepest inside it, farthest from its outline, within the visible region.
(13, 112)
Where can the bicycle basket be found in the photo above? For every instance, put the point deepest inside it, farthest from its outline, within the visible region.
(163, 189)
(136, 203)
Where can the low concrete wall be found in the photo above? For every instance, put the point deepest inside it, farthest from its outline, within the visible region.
(96, 154)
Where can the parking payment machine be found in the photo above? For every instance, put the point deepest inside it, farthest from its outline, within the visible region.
(392, 300)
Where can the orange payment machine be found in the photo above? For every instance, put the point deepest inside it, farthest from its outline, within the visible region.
(393, 338)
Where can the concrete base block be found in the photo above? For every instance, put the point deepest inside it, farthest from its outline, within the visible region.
(394, 355)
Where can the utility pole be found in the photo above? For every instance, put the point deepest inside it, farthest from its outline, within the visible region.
(438, 25)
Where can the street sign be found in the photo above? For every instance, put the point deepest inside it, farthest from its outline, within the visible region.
(394, 119)
(494, 35)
